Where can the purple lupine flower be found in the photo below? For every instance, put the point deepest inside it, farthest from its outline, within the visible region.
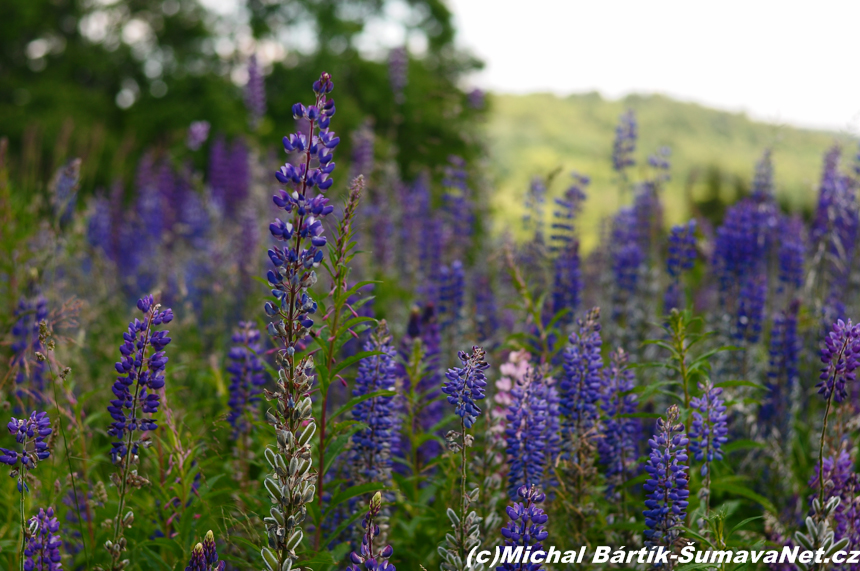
(476, 98)
(255, 92)
(834, 232)
(26, 343)
(370, 455)
(528, 432)
(64, 190)
(568, 207)
(626, 133)
(422, 325)
(141, 368)
(709, 429)
(210, 553)
(620, 435)
(783, 374)
(198, 132)
(172, 186)
(204, 556)
(363, 141)
(486, 310)
(751, 306)
(451, 293)
(667, 486)
(247, 375)
(466, 384)
(368, 558)
(839, 476)
(840, 355)
(681, 257)
(99, 225)
(30, 433)
(457, 205)
(660, 164)
(792, 251)
(567, 281)
(229, 175)
(580, 388)
(398, 73)
(648, 213)
(627, 254)
(742, 241)
(295, 263)
(762, 184)
(525, 528)
(42, 552)
(533, 217)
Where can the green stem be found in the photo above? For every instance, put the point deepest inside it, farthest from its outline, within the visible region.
(69, 461)
(23, 521)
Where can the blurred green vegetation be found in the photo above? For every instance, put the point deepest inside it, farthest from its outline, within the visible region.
(107, 80)
(712, 154)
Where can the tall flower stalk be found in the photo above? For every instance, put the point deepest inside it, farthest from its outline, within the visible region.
(141, 370)
(368, 556)
(291, 485)
(666, 487)
(525, 528)
(42, 552)
(464, 386)
(840, 355)
(708, 432)
(580, 396)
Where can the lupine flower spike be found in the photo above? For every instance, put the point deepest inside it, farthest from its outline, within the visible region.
(708, 432)
(841, 357)
(42, 552)
(30, 433)
(204, 556)
(525, 528)
(141, 370)
(464, 386)
(291, 484)
(667, 485)
(368, 558)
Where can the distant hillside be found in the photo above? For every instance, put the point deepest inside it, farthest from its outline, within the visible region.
(713, 152)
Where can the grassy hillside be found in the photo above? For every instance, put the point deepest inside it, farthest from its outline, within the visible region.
(713, 153)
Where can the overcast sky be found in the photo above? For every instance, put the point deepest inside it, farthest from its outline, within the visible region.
(781, 61)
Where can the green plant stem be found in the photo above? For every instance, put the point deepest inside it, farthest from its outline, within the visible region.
(54, 378)
(821, 454)
(23, 521)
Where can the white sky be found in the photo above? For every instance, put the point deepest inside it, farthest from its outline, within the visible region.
(781, 61)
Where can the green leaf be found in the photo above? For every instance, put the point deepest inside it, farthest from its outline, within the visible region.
(336, 447)
(341, 365)
(319, 560)
(353, 491)
(334, 535)
(350, 404)
(745, 493)
(744, 522)
(693, 566)
(741, 384)
(741, 445)
(633, 481)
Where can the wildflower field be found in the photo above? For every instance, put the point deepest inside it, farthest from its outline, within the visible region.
(246, 357)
